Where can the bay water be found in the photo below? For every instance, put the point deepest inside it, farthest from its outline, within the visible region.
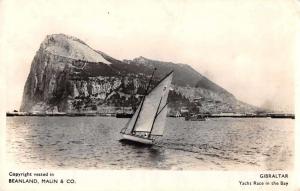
(93, 143)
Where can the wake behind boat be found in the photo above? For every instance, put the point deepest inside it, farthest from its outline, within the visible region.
(148, 121)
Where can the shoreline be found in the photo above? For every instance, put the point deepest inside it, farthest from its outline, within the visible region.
(266, 115)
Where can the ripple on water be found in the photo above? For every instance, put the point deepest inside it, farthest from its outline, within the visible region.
(93, 142)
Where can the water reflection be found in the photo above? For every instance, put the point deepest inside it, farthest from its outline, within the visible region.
(156, 154)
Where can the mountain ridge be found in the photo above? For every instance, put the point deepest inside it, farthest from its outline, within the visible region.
(68, 75)
(202, 82)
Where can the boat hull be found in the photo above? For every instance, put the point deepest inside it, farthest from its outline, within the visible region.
(138, 139)
(123, 115)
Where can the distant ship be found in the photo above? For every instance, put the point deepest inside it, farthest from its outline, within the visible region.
(148, 121)
(124, 115)
(195, 117)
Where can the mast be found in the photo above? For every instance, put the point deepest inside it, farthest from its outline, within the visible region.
(161, 80)
(148, 86)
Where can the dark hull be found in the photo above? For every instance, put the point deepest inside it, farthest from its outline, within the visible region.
(123, 115)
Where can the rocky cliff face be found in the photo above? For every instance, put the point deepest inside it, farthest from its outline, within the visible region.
(69, 76)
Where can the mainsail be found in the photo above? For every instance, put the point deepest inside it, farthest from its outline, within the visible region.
(129, 126)
(159, 124)
(151, 114)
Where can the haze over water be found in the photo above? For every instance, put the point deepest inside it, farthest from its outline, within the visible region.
(93, 143)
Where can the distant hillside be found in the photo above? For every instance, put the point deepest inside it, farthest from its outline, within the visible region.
(67, 75)
(184, 75)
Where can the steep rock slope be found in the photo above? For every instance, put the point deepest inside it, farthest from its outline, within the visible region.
(67, 75)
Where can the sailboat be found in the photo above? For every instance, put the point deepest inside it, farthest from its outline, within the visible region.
(148, 121)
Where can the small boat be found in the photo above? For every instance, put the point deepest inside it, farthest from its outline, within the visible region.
(195, 118)
(123, 112)
(124, 115)
(148, 121)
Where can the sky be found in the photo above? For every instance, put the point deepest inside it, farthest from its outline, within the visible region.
(247, 47)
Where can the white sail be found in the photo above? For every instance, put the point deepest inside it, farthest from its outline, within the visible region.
(159, 124)
(129, 126)
(153, 104)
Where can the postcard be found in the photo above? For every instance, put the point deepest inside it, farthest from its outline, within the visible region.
(149, 95)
